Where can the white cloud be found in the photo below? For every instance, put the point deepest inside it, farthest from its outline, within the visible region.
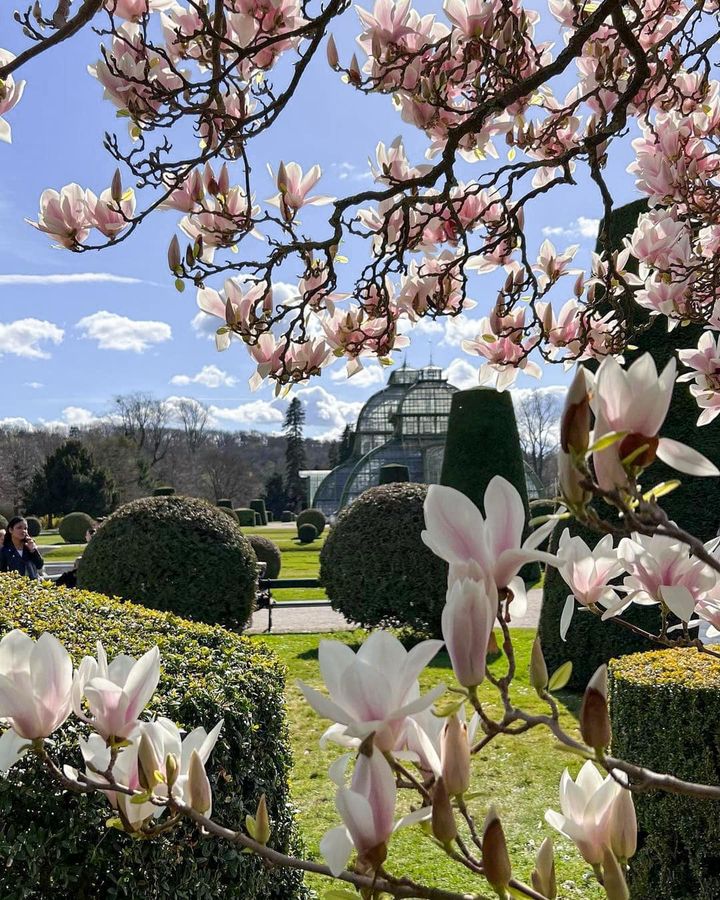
(555, 390)
(347, 171)
(256, 412)
(114, 332)
(25, 337)
(69, 278)
(16, 422)
(462, 374)
(78, 416)
(459, 329)
(34, 384)
(323, 409)
(209, 376)
(365, 378)
(581, 227)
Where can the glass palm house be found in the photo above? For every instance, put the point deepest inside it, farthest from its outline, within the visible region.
(405, 423)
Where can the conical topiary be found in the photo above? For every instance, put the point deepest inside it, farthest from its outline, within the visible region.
(483, 441)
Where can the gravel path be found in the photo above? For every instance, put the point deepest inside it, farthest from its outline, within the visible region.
(309, 620)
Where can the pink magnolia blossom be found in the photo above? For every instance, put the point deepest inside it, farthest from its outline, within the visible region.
(134, 10)
(483, 547)
(393, 164)
(35, 684)
(188, 196)
(661, 240)
(588, 816)
(704, 360)
(10, 95)
(553, 265)
(662, 570)
(505, 349)
(116, 692)
(374, 690)
(468, 618)
(240, 305)
(587, 573)
(294, 188)
(110, 216)
(367, 809)
(149, 746)
(65, 216)
(635, 403)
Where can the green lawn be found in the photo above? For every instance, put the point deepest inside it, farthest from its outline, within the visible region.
(298, 560)
(520, 774)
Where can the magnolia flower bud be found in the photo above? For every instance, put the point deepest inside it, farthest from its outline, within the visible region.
(613, 878)
(148, 763)
(224, 180)
(116, 190)
(172, 769)
(575, 422)
(495, 859)
(354, 75)
(262, 822)
(543, 876)
(623, 826)
(538, 669)
(173, 255)
(455, 756)
(594, 716)
(198, 785)
(570, 480)
(282, 179)
(443, 818)
(332, 54)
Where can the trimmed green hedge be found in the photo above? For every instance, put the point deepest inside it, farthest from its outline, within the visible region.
(54, 844)
(590, 642)
(312, 516)
(375, 567)
(174, 553)
(35, 526)
(665, 710)
(259, 508)
(267, 551)
(246, 517)
(74, 526)
(228, 504)
(163, 491)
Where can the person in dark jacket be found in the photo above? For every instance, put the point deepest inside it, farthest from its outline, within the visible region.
(19, 553)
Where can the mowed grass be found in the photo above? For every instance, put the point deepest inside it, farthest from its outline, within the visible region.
(519, 774)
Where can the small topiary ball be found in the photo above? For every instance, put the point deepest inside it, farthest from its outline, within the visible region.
(307, 533)
(287, 516)
(267, 551)
(376, 569)
(314, 517)
(74, 526)
(174, 553)
(34, 526)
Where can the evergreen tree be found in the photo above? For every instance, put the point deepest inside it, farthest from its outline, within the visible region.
(274, 495)
(294, 454)
(69, 481)
(346, 444)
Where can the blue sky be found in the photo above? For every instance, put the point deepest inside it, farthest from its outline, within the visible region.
(78, 329)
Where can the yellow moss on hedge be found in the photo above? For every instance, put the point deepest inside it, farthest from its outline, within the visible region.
(686, 668)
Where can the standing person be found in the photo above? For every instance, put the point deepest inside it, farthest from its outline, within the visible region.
(19, 552)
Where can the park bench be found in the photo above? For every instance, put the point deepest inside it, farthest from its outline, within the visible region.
(264, 598)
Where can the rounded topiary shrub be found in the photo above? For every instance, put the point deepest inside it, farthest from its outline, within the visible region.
(228, 504)
(55, 844)
(163, 491)
(393, 472)
(376, 569)
(287, 516)
(267, 551)
(245, 516)
(589, 642)
(229, 512)
(259, 507)
(665, 710)
(74, 526)
(174, 553)
(314, 517)
(307, 533)
(35, 526)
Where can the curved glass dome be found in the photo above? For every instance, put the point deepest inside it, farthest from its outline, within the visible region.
(405, 423)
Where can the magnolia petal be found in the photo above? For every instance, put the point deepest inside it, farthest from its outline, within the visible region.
(566, 617)
(336, 848)
(542, 533)
(414, 818)
(685, 459)
(142, 681)
(323, 706)
(12, 748)
(678, 600)
(518, 606)
(5, 132)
